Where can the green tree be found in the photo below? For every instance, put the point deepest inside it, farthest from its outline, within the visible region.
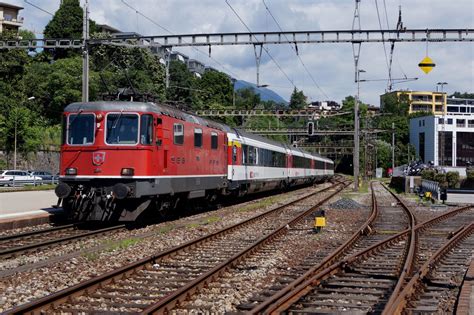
(213, 87)
(67, 22)
(247, 99)
(55, 85)
(182, 83)
(462, 95)
(123, 67)
(298, 100)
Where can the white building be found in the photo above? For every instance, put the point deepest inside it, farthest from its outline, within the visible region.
(447, 140)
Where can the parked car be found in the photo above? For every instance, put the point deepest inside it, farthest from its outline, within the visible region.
(44, 175)
(7, 177)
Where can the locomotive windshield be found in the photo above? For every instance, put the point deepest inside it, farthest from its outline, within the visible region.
(122, 129)
(81, 129)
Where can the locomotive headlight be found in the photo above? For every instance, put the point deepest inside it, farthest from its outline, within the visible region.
(127, 171)
(71, 171)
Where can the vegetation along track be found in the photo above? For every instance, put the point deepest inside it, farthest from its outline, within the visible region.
(160, 278)
(434, 288)
(15, 245)
(366, 281)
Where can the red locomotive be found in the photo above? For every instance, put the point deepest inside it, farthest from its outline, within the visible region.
(119, 159)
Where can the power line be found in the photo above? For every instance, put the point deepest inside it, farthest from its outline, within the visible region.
(264, 48)
(167, 30)
(39, 8)
(296, 51)
(383, 42)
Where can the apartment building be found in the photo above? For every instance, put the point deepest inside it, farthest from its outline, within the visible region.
(419, 101)
(9, 19)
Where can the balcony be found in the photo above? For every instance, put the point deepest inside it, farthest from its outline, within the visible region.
(9, 20)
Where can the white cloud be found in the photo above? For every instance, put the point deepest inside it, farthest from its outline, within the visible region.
(331, 65)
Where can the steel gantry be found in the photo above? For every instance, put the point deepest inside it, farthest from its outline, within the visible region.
(256, 38)
(310, 113)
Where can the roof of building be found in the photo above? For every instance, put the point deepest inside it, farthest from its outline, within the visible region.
(108, 28)
(12, 6)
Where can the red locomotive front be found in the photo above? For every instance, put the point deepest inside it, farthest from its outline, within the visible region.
(121, 158)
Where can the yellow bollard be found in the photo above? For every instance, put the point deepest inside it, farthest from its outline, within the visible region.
(319, 221)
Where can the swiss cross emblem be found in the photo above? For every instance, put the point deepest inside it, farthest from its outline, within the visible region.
(98, 158)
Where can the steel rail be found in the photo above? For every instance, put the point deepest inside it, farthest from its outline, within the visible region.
(165, 305)
(91, 284)
(398, 305)
(308, 285)
(329, 260)
(31, 233)
(29, 247)
(280, 304)
(410, 255)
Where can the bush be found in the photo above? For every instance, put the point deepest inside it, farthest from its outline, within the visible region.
(428, 174)
(470, 174)
(452, 178)
(441, 179)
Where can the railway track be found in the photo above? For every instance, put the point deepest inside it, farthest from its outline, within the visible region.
(364, 281)
(164, 279)
(435, 287)
(23, 243)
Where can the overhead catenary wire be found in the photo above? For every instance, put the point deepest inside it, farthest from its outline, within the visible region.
(38, 7)
(264, 48)
(296, 52)
(383, 39)
(170, 32)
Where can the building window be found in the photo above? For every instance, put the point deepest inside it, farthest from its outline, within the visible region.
(450, 121)
(464, 148)
(453, 109)
(178, 130)
(439, 108)
(461, 123)
(197, 138)
(470, 123)
(440, 121)
(462, 109)
(445, 148)
(421, 145)
(214, 140)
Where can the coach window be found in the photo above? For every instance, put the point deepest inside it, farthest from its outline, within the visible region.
(122, 129)
(214, 140)
(81, 129)
(198, 138)
(178, 133)
(146, 129)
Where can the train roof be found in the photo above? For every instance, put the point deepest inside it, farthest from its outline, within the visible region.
(176, 113)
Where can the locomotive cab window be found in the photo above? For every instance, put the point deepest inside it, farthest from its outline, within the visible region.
(81, 129)
(214, 140)
(146, 129)
(197, 138)
(122, 129)
(178, 134)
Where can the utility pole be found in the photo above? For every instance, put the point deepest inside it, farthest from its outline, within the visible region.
(393, 148)
(85, 53)
(14, 152)
(258, 57)
(356, 52)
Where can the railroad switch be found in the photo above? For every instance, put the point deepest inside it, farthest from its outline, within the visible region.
(319, 221)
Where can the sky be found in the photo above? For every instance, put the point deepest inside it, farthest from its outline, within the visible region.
(331, 65)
